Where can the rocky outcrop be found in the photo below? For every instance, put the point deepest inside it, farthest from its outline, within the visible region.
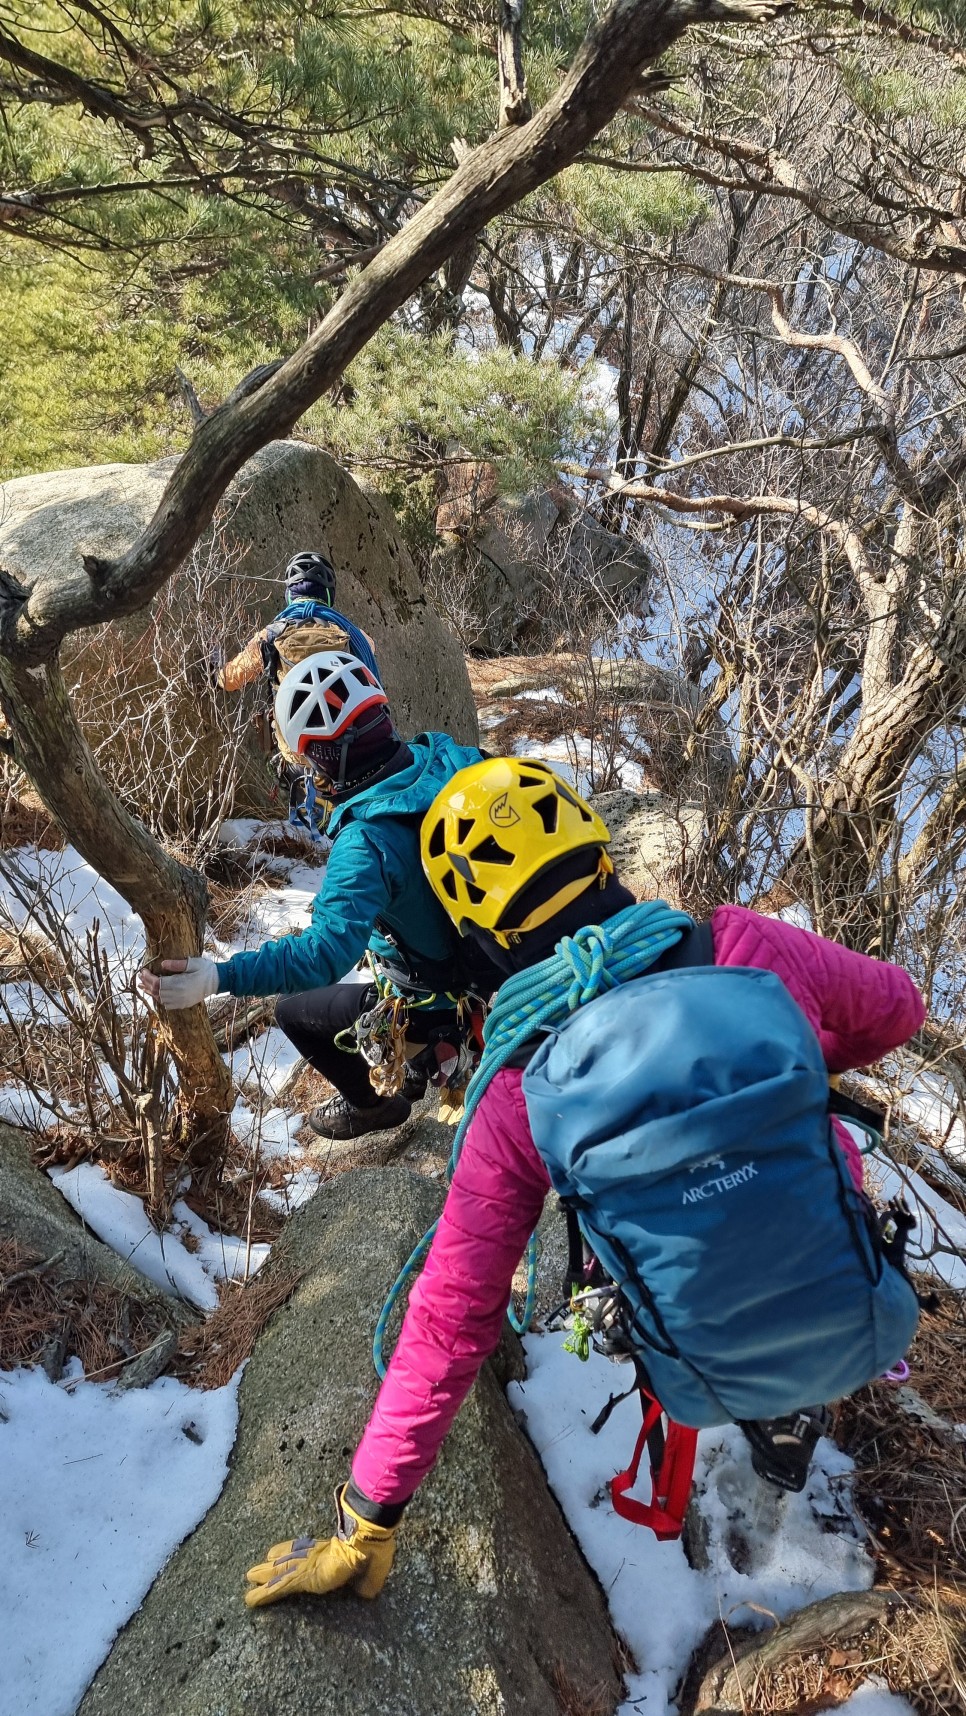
(650, 836)
(532, 568)
(143, 682)
(33, 1213)
(489, 1611)
(681, 747)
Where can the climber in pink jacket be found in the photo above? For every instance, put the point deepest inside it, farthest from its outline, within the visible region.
(859, 1008)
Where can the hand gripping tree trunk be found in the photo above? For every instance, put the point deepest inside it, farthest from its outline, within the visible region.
(170, 899)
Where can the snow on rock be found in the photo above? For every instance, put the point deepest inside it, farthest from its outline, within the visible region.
(73, 889)
(265, 1062)
(766, 1549)
(118, 1219)
(939, 1241)
(99, 1489)
(872, 1698)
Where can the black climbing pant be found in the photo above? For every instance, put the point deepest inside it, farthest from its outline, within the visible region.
(313, 1019)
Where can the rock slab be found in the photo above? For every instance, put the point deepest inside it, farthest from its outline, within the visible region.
(490, 1609)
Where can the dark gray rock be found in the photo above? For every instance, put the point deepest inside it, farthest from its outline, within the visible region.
(33, 1212)
(490, 1609)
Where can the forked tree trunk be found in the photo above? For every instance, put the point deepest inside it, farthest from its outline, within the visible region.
(170, 898)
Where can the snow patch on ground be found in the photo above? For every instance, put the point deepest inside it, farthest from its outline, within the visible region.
(939, 1241)
(118, 1218)
(777, 1552)
(99, 1487)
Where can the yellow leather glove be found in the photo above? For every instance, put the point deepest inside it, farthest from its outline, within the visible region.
(360, 1554)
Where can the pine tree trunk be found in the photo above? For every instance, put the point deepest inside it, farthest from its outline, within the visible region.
(170, 898)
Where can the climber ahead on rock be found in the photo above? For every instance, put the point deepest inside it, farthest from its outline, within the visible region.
(376, 1042)
(671, 1081)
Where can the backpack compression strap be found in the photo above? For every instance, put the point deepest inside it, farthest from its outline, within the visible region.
(671, 1454)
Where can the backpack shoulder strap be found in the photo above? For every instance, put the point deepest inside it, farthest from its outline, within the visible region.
(696, 947)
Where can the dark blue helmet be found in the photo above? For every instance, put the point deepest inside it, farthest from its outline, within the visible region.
(310, 569)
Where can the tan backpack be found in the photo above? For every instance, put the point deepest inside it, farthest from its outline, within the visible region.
(298, 639)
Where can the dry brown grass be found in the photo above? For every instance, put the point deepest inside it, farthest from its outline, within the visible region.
(209, 1353)
(573, 1700)
(25, 822)
(23, 956)
(918, 1651)
(88, 1319)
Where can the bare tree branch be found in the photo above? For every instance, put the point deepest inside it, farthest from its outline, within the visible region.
(515, 106)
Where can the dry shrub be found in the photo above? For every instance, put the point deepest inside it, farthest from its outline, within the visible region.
(84, 1318)
(209, 1353)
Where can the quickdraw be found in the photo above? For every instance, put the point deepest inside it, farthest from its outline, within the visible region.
(379, 1036)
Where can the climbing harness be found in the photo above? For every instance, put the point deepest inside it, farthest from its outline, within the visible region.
(308, 809)
(380, 1032)
(583, 966)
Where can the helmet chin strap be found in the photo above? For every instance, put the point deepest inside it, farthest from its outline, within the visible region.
(357, 732)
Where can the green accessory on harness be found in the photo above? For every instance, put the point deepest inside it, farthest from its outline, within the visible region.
(599, 957)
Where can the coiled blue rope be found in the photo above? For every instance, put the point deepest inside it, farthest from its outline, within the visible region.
(583, 966)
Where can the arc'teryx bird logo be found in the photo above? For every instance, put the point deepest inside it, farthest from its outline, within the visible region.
(503, 814)
(718, 1182)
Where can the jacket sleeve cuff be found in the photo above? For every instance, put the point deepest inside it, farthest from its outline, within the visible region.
(386, 1514)
(223, 968)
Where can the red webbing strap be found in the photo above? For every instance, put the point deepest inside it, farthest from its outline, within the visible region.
(670, 1485)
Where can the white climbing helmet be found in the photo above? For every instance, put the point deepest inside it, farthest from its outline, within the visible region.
(323, 696)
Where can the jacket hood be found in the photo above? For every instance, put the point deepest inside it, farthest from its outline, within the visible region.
(411, 791)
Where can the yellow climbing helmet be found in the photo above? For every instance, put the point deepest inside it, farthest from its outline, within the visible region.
(495, 828)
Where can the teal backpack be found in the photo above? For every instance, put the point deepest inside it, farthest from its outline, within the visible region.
(684, 1117)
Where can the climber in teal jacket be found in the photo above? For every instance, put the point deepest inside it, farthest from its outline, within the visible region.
(375, 899)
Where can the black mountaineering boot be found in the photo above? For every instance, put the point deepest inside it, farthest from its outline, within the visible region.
(414, 1084)
(337, 1118)
(782, 1448)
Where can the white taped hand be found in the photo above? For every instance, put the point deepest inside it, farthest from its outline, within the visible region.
(183, 982)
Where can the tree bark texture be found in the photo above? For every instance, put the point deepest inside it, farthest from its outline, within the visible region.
(171, 899)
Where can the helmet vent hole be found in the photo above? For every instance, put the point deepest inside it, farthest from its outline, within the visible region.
(531, 781)
(464, 828)
(341, 689)
(449, 883)
(437, 842)
(546, 809)
(477, 895)
(299, 697)
(491, 852)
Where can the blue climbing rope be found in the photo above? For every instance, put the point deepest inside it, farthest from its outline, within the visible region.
(598, 957)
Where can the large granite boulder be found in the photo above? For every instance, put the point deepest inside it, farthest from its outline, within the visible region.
(650, 839)
(490, 1609)
(533, 568)
(170, 744)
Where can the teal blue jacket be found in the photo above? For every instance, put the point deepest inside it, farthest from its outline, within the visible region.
(374, 872)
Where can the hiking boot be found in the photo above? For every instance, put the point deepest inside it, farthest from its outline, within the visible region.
(414, 1085)
(782, 1448)
(338, 1118)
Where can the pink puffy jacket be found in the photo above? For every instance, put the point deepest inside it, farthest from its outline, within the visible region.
(859, 1008)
